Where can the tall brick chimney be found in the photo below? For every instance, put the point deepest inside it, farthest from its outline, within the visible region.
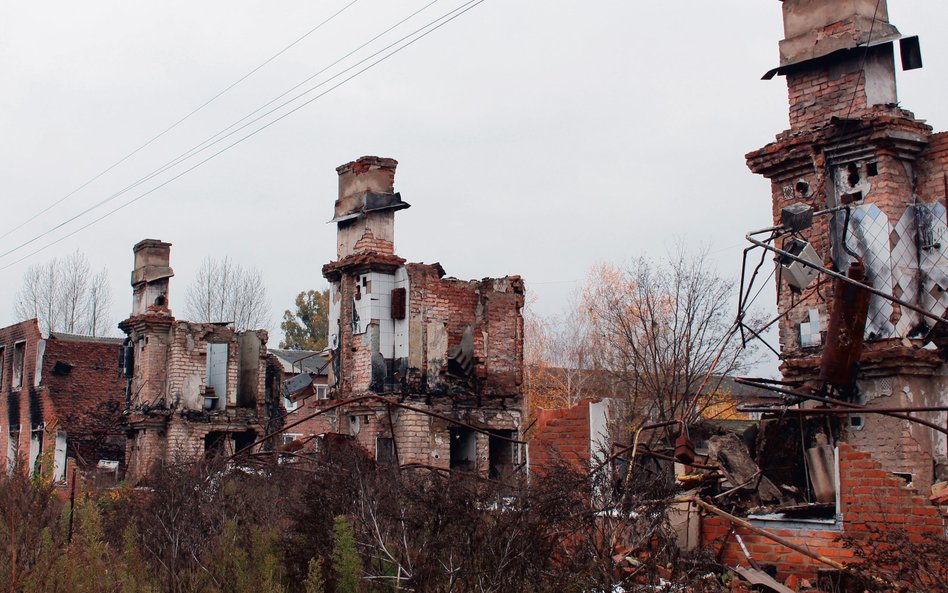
(365, 209)
(151, 277)
(830, 71)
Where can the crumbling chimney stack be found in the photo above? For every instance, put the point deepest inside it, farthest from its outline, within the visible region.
(151, 277)
(365, 209)
(838, 59)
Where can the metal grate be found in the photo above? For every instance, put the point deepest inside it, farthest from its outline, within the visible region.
(908, 260)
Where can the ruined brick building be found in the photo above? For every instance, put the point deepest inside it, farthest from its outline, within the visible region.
(62, 401)
(880, 172)
(449, 351)
(850, 142)
(193, 389)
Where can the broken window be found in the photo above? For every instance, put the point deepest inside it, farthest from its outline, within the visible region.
(780, 469)
(19, 354)
(36, 449)
(245, 439)
(215, 391)
(59, 458)
(215, 444)
(322, 392)
(385, 450)
(398, 303)
(13, 442)
(501, 453)
(463, 448)
(248, 348)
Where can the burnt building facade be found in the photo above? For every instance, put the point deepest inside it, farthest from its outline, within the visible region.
(193, 389)
(62, 402)
(448, 351)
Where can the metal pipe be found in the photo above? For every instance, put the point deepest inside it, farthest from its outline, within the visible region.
(839, 276)
(837, 402)
(817, 411)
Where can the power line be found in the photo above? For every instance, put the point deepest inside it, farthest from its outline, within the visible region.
(177, 123)
(466, 7)
(201, 147)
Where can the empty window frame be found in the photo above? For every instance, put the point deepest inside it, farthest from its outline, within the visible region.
(59, 458)
(215, 444)
(322, 392)
(243, 440)
(501, 453)
(385, 450)
(463, 448)
(36, 449)
(13, 446)
(19, 355)
(215, 396)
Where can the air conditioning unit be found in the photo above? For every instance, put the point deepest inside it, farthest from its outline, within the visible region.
(799, 275)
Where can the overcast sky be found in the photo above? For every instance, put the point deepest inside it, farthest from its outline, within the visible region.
(533, 137)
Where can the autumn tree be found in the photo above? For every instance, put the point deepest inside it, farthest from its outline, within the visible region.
(558, 369)
(307, 328)
(660, 329)
(223, 290)
(65, 295)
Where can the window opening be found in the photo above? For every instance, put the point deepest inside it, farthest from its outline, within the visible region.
(215, 393)
(215, 444)
(385, 450)
(463, 448)
(244, 439)
(19, 352)
(500, 453)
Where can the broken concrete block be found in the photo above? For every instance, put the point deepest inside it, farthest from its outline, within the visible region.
(729, 453)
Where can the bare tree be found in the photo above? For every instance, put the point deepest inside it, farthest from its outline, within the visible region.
(226, 291)
(558, 369)
(64, 295)
(661, 330)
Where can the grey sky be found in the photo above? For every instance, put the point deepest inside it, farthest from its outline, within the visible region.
(534, 137)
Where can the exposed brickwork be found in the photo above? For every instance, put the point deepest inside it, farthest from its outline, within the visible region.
(816, 95)
(70, 387)
(849, 142)
(81, 381)
(561, 436)
(870, 497)
(369, 244)
(419, 353)
(16, 420)
(176, 411)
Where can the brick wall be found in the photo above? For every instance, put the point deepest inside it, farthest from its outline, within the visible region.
(816, 95)
(81, 382)
(869, 497)
(491, 307)
(563, 436)
(20, 408)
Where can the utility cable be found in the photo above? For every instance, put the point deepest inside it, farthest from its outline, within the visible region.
(201, 147)
(177, 123)
(458, 12)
